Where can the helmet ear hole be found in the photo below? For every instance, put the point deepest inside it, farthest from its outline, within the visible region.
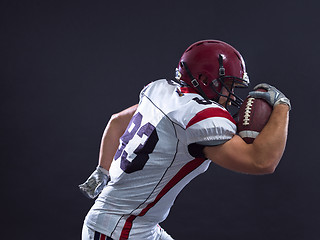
(203, 79)
(216, 83)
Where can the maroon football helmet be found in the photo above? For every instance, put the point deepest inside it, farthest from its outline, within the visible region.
(209, 65)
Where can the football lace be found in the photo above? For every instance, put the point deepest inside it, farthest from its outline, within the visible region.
(247, 112)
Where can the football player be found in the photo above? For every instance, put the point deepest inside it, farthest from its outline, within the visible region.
(151, 150)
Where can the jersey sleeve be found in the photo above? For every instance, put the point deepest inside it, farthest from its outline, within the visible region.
(211, 126)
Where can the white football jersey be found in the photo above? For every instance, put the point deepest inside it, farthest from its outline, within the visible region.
(153, 163)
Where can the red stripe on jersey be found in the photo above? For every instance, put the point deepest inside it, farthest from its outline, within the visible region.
(208, 113)
(184, 171)
(102, 237)
(127, 227)
(187, 90)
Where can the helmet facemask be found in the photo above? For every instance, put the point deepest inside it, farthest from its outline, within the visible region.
(229, 83)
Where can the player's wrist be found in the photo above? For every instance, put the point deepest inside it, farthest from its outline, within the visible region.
(283, 101)
(103, 170)
(283, 106)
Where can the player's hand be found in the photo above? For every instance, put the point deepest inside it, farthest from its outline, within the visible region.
(95, 183)
(273, 96)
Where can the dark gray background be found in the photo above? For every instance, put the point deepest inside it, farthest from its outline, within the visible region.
(66, 66)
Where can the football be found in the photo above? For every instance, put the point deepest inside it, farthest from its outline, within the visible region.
(253, 115)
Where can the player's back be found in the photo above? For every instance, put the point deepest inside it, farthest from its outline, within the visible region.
(153, 164)
(150, 152)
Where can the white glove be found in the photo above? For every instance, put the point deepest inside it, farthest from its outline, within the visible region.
(95, 183)
(273, 96)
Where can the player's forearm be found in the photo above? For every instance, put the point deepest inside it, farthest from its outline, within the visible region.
(270, 143)
(112, 133)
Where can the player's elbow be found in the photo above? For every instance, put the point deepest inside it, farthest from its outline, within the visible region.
(265, 169)
(265, 161)
(267, 166)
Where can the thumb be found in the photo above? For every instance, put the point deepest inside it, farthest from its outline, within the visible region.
(257, 94)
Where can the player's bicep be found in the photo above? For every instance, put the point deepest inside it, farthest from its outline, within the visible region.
(235, 155)
(125, 115)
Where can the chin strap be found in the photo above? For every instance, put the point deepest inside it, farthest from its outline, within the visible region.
(194, 81)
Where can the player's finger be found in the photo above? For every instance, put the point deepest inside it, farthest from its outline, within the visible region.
(262, 85)
(257, 94)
